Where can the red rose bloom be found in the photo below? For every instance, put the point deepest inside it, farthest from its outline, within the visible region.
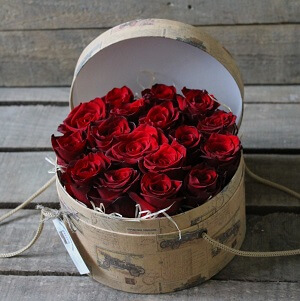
(78, 191)
(162, 116)
(201, 183)
(219, 121)
(128, 109)
(159, 93)
(133, 147)
(119, 96)
(78, 177)
(82, 115)
(221, 148)
(157, 134)
(159, 192)
(223, 152)
(197, 102)
(114, 183)
(156, 187)
(85, 169)
(102, 134)
(68, 147)
(188, 136)
(166, 158)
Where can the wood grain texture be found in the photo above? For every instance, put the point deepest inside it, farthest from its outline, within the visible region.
(272, 94)
(91, 14)
(30, 126)
(264, 126)
(47, 95)
(266, 54)
(50, 288)
(49, 257)
(29, 171)
(281, 169)
(269, 232)
(271, 126)
(60, 95)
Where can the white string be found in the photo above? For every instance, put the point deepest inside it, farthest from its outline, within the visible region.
(150, 83)
(139, 214)
(171, 219)
(54, 163)
(151, 215)
(220, 103)
(154, 77)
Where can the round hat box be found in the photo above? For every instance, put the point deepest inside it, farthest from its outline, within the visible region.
(148, 256)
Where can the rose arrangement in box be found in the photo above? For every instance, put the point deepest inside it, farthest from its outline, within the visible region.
(163, 150)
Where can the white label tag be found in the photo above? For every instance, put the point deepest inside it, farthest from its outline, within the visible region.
(70, 246)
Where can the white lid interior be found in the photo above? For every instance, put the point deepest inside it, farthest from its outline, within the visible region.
(132, 63)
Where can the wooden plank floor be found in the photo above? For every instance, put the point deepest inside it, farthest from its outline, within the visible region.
(266, 54)
(272, 149)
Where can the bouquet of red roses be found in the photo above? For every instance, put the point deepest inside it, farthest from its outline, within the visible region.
(160, 151)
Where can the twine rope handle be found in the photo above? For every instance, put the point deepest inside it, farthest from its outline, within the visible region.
(44, 214)
(48, 213)
(221, 246)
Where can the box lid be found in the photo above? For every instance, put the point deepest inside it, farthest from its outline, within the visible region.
(142, 52)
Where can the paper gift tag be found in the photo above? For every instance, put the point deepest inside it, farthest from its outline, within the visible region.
(70, 246)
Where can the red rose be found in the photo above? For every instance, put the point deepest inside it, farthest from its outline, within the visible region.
(79, 176)
(159, 192)
(159, 93)
(221, 148)
(114, 183)
(197, 102)
(82, 115)
(166, 158)
(133, 147)
(157, 134)
(128, 109)
(218, 122)
(101, 134)
(86, 168)
(188, 136)
(201, 183)
(156, 187)
(119, 96)
(78, 191)
(222, 152)
(68, 147)
(162, 116)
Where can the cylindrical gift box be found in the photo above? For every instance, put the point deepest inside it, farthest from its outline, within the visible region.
(158, 255)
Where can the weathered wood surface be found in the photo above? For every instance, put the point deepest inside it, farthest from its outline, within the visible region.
(266, 54)
(17, 14)
(50, 288)
(271, 94)
(264, 126)
(270, 126)
(281, 169)
(60, 95)
(56, 96)
(48, 257)
(29, 172)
